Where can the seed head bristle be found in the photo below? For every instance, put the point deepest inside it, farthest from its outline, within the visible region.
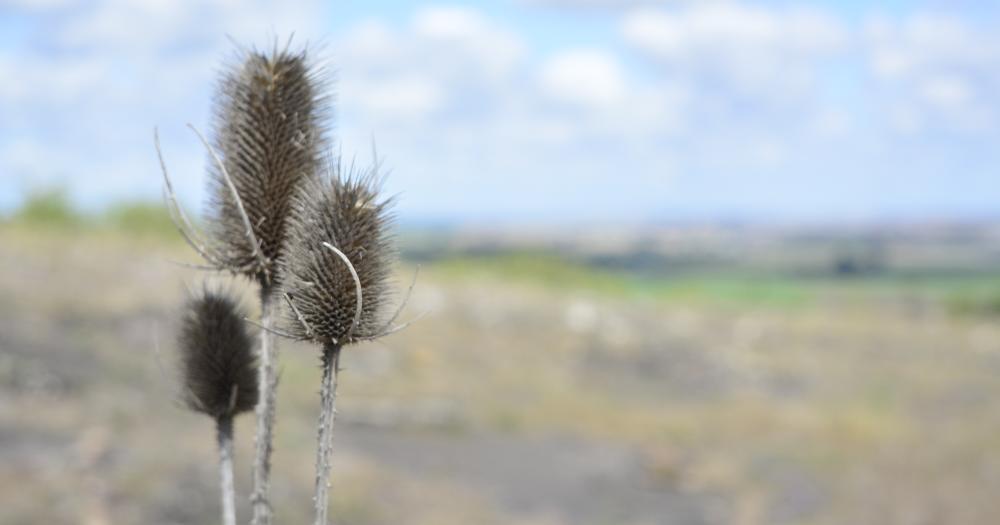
(346, 211)
(271, 116)
(217, 362)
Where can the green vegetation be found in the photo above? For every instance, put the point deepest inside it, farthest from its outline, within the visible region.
(140, 218)
(964, 293)
(48, 209)
(51, 210)
(959, 292)
(976, 298)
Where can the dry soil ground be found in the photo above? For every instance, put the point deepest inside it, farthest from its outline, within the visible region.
(511, 402)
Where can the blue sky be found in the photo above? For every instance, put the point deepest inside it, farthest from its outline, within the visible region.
(540, 111)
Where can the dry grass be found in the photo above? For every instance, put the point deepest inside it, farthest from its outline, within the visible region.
(509, 403)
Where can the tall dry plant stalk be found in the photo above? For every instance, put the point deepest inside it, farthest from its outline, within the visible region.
(318, 243)
(219, 375)
(335, 278)
(271, 117)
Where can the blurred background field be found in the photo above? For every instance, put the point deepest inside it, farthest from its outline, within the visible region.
(683, 262)
(687, 375)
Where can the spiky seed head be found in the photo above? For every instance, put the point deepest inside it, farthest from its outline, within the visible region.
(270, 121)
(346, 211)
(217, 361)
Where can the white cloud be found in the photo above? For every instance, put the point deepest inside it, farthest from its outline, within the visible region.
(922, 42)
(590, 78)
(132, 27)
(443, 60)
(832, 122)
(656, 32)
(55, 82)
(924, 71)
(718, 29)
(752, 49)
(453, 24)
(21, 158)
(113, 23)
(610, 5)
(468, 33)
(480, 117)
(750, 81)
(403, 97)
(946, 92)
(38, 6)
(369, 40)
(91, 86)
(470, 110)
(940, 72)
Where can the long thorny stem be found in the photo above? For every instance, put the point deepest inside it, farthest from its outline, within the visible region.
(267, 385)
(224, 430)
(328, 410)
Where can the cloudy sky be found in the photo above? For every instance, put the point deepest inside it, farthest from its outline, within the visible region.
(555, 111)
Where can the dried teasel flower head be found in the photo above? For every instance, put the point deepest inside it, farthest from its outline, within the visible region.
(342, 211)
(217, 361)
(271, 116)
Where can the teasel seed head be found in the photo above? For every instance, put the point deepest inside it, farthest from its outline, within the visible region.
(344, 211)
(271, 115)
(217, 361)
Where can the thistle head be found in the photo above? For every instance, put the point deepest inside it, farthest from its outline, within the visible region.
(270, 121)
(217, 362)
(346, 212)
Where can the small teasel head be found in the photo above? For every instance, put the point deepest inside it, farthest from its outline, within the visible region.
(346, 212)
(271, 115)
(217, 361)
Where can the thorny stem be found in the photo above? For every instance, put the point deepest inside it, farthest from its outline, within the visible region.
(267, 383)
(328, 410)
(224, 431)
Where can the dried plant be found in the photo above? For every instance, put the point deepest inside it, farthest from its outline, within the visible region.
(347, 213)
(270, 124)
(219, 373)
(319, 243)
(270, 127)
(335, 278)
